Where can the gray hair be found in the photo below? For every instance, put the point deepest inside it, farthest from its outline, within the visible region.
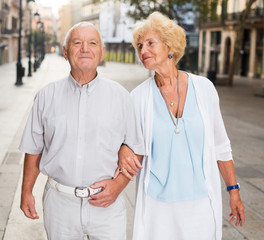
(80, 24)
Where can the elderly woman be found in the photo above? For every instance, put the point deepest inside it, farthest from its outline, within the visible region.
(179, 188)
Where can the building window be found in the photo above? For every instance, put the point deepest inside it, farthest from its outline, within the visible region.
(14, 24)
(236, 6)
(215, 51)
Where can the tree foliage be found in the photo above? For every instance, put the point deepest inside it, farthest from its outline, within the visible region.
(174, 9)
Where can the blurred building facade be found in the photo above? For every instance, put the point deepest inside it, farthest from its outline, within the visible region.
(76, 11)
(9, 25)
(90, 12)
(64, 24)
(9, 28)
(217, 39)
(116, 31)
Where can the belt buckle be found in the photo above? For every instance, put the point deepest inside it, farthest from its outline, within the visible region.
(82, 192)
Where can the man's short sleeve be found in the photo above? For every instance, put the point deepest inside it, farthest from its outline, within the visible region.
(133, 133)
(32, 141)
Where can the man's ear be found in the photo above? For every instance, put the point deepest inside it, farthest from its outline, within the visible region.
(103, 54)
(65, 53)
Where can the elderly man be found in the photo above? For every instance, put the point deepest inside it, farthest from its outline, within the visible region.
(73, 136)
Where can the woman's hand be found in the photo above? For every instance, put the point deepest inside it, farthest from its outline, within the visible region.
(237, 208)
(128, 163)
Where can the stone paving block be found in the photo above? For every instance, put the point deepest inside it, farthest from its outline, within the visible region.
(248, 172)
(30, 231)
(254, 230)
(260, 167)
(9, 179)
(1, 234)
(231, 233)
(257, 182)
(13, 158)
(4, 213)
(257, 205)
(7, 196)
(11, 168)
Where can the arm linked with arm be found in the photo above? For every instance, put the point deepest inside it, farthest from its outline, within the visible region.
(128, 162)
(132, 149)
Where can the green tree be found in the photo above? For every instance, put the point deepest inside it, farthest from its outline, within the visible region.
(174, 9)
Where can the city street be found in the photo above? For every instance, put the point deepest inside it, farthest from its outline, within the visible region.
(243, 114)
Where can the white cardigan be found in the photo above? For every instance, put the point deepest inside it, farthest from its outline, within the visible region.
(216, 147)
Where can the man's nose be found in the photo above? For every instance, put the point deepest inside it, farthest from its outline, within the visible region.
(85, 47)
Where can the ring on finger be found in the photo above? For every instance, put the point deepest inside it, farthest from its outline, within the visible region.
(121, 170)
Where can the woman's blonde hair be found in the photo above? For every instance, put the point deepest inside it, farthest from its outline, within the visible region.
(169, 32)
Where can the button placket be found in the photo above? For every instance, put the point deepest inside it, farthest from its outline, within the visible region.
(81, 133)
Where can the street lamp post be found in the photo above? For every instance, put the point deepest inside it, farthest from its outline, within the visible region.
(19, 68)
(42, 29)
(29, 38)
(36, 61)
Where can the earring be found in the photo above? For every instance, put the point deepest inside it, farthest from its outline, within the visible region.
(170, 56)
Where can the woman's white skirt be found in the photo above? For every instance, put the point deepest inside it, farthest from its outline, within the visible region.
(186, 220)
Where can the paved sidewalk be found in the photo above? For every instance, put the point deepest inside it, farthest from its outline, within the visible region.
(243, 115)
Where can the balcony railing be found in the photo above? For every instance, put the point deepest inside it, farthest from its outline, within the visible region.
(6, 31)
(9, 31)
(253, 14)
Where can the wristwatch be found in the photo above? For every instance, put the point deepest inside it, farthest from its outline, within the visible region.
(237, 186)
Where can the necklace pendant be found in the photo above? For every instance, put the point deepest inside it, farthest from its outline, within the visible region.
(171, 104)
(177, 130)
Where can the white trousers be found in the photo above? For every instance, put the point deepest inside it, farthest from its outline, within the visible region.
(67, 217)
(186, 220)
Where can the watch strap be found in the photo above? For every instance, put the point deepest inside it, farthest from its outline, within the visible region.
(237, 186)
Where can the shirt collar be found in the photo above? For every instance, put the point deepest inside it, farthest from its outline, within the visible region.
(88, 87)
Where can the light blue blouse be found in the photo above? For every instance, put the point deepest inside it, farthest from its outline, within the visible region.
(176, 172)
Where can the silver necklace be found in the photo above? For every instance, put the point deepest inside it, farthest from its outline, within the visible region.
(177, 130)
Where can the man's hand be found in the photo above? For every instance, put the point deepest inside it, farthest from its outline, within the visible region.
(27, 205)
(128, 162)
(30, 174)
(111, 189)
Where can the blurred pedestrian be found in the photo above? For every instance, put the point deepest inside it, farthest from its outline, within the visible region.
(179, 188)
(73, 135)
